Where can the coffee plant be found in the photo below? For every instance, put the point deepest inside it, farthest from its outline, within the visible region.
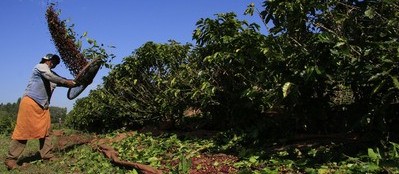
(322, 68)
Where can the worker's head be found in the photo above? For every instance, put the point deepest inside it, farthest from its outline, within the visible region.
(51, 58)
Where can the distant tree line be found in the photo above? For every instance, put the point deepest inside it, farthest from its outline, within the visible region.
(8, 115)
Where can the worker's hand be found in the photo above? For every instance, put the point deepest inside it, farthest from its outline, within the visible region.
(70, 83)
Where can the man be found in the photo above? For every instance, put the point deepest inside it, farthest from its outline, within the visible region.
(33, 120)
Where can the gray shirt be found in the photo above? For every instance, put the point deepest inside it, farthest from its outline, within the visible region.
(42, 84)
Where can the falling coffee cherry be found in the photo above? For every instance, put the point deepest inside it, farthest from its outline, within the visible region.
(65, 44)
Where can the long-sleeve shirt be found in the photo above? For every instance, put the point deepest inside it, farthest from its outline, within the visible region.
(42, 84)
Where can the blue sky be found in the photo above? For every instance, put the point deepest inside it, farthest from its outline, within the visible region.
(125, 24)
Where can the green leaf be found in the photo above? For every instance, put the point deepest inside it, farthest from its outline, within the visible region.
(204, 85)
(339, 44)
(134, 171)
(376, 89)
(318, 71)
(250, 9)
(173, 82)
(177, 93)
(373, 155)
(322, 171)
(265, 50)
(216, 163)
(395, 81)
(213, 90)
(286, 88)
(372, 168)
(253, 159)
(376, 76)
(90, 41)
(370, 13)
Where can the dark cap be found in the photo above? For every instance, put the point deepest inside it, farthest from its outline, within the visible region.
(55, 58)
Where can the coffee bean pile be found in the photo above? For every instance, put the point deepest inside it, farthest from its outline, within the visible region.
(65, 44)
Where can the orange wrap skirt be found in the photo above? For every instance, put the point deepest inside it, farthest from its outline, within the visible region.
(33, 122)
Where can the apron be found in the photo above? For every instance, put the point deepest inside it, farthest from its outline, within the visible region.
(33, 122)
